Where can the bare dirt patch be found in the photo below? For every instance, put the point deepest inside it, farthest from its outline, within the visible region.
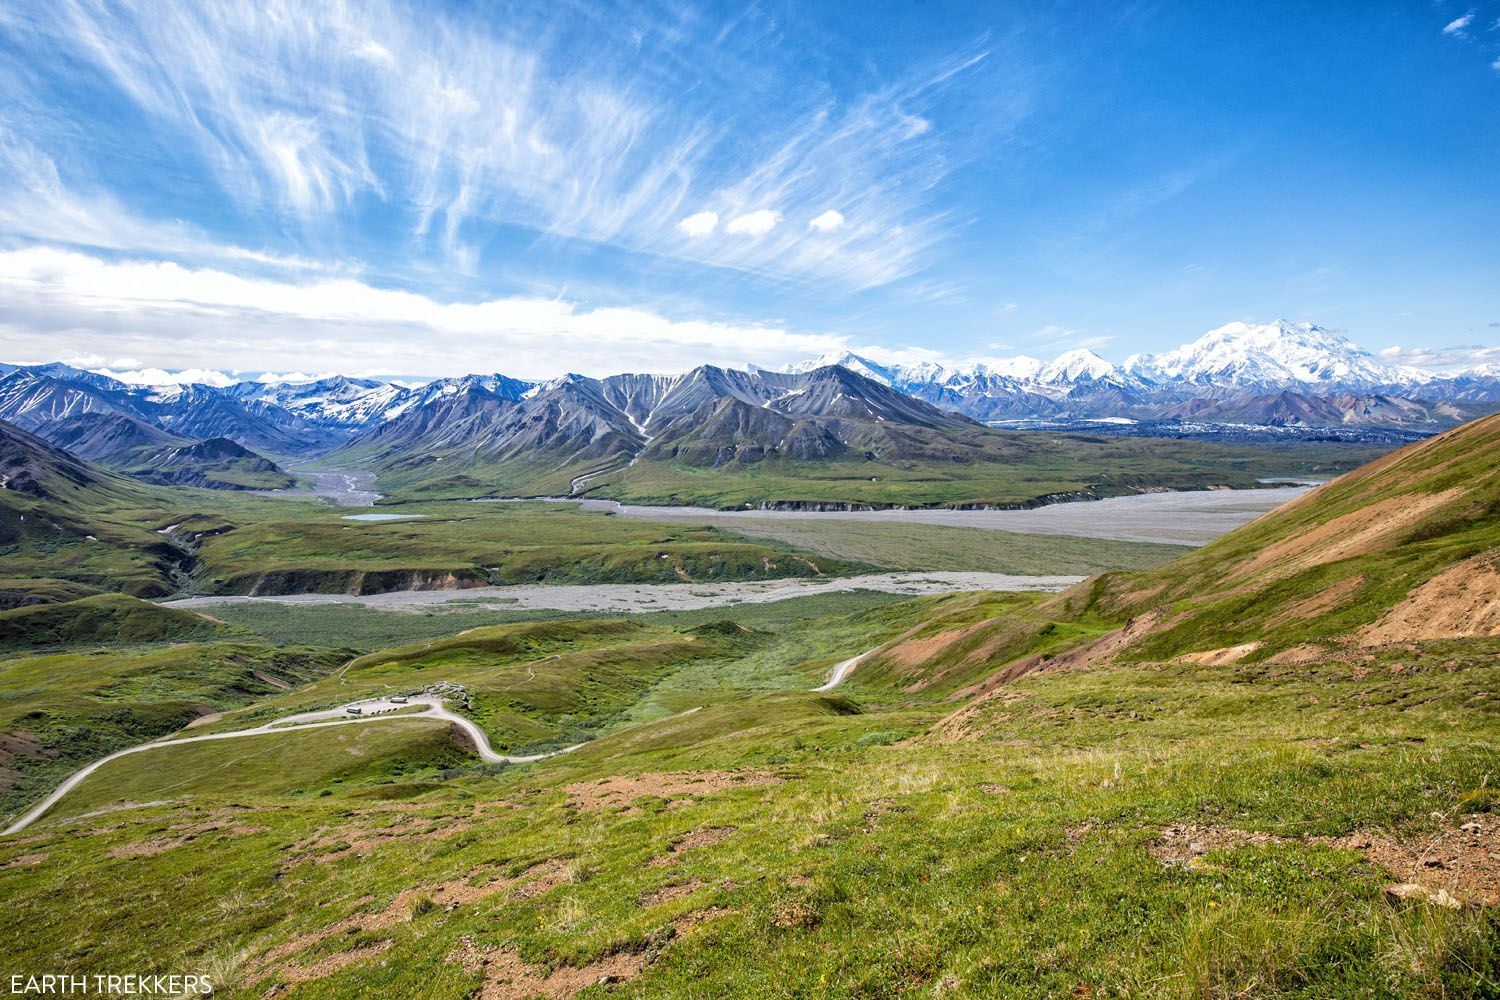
(1453, 865)
(181, 836)
(688, 921)
(1461, 602)
(620, 792)
(880, 808)
(911, 652)
(1220, 657)
(794, 913)
(667, 893)
(329, 964)
(25, 860)
(1462, 861)
(406, 905)
(508, 977)
(1321, 603)
(541, 878)
(1302, 655)
(1359, 532)
(357, 838)
(691, 841)
(1183, 845)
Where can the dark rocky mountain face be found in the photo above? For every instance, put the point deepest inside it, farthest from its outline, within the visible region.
(200, 411)
(30, 400)
(31, 467)
(567, 422)
(92, 427)
(33, 399)
(99, 436)
(710, 417)
(1298, 409)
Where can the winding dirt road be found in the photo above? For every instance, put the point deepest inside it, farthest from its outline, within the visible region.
(840, 671)
(379, 710)
(373, 710)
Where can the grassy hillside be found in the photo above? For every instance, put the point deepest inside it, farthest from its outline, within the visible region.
(61, 518)
(60, 711)
(20, 592)
(1401, 550)
(100, 618)
(1086, 838)
(1096, 793)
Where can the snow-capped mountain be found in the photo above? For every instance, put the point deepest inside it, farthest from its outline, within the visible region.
(1274, 373)
(894, 375)
(1235, 361)
(1082, 367)
(498, 385)
(336, 401)
(1279, 355)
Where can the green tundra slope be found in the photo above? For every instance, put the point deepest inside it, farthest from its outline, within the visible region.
(1110, 792)
(59, 711)
(99, 618)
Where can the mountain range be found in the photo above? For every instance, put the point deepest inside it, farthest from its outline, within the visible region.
(1275, 373)
(568, 430)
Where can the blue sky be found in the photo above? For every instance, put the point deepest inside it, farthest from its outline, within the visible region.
(420, 189)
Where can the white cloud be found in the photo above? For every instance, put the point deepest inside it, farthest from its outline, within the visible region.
(374, 52)
(1442, 359)
(1458, 25)
(699, 223)
(827, 222)
(158, 376)
(64, 303)
(757, 223)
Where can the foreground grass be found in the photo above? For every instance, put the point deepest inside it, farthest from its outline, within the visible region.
(1009, 859)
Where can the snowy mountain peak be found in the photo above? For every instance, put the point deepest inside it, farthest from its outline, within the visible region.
(1022, 367)
(1081, 365)
(844, 359)
(1277, 354)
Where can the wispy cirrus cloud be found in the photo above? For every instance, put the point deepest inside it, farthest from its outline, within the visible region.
(456, 124)
(37, 205)
(1459, 25)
